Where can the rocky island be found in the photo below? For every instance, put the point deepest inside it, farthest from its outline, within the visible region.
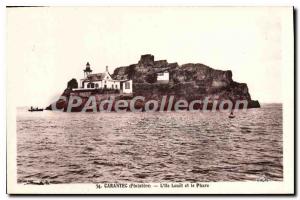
(154, 80)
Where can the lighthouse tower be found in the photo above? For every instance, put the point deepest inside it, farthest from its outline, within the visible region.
(87, 70)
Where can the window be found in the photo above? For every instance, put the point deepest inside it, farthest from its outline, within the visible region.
(88, 85)
(97, 85)
(127, 85)
(116, 86)
(112, 86)
(92, 85)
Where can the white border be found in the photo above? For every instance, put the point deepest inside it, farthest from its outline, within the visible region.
(287, 71)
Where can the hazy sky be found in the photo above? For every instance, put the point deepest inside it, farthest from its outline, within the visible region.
(46, 47)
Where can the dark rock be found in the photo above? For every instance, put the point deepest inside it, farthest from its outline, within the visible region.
(146, 60)
(254, 104)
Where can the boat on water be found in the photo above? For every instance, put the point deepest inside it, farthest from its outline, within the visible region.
(231, 115)
(35, 109)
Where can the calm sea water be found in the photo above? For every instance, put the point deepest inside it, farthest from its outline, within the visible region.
(149, 147)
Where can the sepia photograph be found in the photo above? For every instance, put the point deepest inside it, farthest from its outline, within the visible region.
(150, 100)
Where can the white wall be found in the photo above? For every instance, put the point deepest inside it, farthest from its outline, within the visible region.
(129, 90)
(109, 84)
(163, 77)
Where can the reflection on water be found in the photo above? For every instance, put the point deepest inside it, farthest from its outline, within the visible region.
(149, 147)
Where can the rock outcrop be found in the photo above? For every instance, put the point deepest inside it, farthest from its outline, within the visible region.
(188, 81)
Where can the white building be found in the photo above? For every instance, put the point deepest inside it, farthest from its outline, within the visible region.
(163, 77)
(103, 81)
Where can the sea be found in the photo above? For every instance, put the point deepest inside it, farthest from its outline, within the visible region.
(149, 147)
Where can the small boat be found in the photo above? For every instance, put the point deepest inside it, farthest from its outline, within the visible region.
(231, 115)
(35, 109)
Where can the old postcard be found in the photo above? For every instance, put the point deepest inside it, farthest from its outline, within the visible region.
(150, 100)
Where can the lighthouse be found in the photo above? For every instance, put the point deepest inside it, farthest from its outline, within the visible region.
(87, 70)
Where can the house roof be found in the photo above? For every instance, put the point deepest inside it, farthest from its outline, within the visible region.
(96, 77)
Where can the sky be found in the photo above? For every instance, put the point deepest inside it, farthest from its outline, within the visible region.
(48, 46)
